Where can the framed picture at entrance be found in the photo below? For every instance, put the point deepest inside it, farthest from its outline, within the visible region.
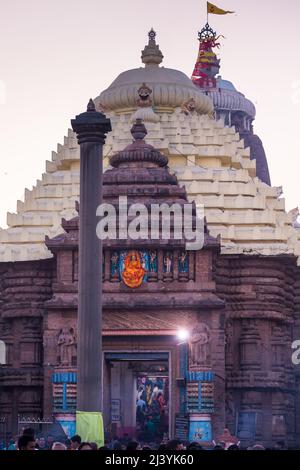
(152, 407)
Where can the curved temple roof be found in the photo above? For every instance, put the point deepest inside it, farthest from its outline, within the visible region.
(208, 158)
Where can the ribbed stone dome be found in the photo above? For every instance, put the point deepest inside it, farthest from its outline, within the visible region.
(170, 88)
(225, 96)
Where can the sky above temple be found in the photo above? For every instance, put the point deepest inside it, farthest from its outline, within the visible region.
(56, 54)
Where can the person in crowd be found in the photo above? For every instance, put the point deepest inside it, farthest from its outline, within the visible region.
(85, 446)
(11, 445)
(26, 442)
(94, 445)
(49, 442)
(219, 447)
(150, 428)
(75, 442)
(258, 447)
(68, 444)
(29, 432)
(280, 445)
(162, 447)
(117, 445)
(133, 445)
(58, 446)
(194, 446)
(41, 441)
(233, 447)
(175, 444)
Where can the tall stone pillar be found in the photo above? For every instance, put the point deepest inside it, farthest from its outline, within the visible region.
(91, 128)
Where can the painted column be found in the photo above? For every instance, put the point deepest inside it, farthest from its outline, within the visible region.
(91, 128)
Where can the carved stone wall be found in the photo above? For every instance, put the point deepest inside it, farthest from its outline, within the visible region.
(24, 287)
(260, 307)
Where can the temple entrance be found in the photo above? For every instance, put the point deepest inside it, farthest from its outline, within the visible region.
(139, 389)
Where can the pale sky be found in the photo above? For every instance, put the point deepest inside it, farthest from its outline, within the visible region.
(56, 54)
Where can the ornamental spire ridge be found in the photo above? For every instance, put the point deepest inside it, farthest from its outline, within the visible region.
(152, 55)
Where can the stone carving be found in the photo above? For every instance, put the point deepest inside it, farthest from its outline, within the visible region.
(153, 261)
(183, 262)
(144, 100)
(199, 345)
(294, 213)
(67, 346)
(168, 263)
(189, 106)
(114, 265)
(229, 342)
(229, 406)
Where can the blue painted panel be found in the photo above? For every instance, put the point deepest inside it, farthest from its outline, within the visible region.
(200, 431)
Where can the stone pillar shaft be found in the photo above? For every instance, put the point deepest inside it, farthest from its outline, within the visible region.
(90, 128)
(90, 279)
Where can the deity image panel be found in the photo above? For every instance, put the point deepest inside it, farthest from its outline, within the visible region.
(114, 265)
(153, 266)
(133, 266)
(168, 262)
(183, 262)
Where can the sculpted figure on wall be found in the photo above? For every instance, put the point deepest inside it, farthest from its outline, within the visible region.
(144, 99)
(188, 107)
(67, 346)
(199, 345)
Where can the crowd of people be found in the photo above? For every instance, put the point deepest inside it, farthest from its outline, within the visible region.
(28, 441)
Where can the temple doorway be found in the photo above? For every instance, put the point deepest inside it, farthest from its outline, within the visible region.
(139, 390)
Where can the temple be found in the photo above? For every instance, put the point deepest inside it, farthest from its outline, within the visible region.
(173, 140)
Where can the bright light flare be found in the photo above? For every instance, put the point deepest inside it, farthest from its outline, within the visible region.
(183, 335)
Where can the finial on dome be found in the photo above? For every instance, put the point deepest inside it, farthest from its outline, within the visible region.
(152, 55)
(152, 34)
(138, 130)
(91, 105)
(139, 153)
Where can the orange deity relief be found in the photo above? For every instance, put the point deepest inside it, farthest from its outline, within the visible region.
(133, 273)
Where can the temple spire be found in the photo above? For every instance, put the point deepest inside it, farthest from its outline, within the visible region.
(91, 105)
(152, 55)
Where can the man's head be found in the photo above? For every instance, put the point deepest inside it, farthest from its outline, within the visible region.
(280, 445)
(133, 445)
(85, 446)
(58, 446)
(42, 442)
(75, 442)
(50, 440)
(175, 444)
(28, 432)
(26, 443)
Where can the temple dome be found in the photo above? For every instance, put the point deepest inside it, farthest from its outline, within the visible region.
(170, 88)
(226, 97)
(226, 84)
